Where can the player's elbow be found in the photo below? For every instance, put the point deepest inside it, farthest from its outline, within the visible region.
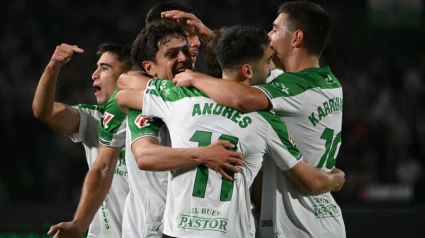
(142, 164)
(38, 112)
(142, 159)
(241, 103)
(248, 103)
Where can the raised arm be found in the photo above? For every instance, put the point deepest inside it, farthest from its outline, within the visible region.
(225, 92)
(61, 117)
(95, 188)
(189, 19)
(315, 180)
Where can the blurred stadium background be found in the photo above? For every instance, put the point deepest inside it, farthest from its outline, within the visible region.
(376, 50)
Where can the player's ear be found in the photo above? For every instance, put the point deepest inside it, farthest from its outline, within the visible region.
(247, 71)
(149, 67)
(297, 38)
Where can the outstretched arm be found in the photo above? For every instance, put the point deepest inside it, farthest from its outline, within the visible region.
(95, 188)
(61, 117)
(225, 92)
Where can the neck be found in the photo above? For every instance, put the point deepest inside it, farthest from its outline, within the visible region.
(235, 77)
(300, 60)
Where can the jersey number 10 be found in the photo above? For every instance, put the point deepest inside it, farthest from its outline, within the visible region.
(330, 148)
(204, 139)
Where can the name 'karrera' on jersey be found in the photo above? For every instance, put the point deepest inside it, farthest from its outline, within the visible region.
(310, 102)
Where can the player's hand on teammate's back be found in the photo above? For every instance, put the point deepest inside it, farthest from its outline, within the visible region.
(340, 179)
(219, 158)
(185, 79)
(66, 230)
(63, 54)
(191, 21)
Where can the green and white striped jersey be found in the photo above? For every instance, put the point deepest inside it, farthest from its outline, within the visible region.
(108, 219)
(199, 202)
(145, 202)
(310, 103)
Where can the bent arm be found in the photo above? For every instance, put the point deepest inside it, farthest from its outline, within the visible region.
(61, 117)
(132, 80)
(96, 185)
(217, 156)
(130, 98)
(233, 94)
(315, 180)
(154, 157)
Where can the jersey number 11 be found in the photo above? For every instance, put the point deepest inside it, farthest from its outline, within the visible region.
(204, 139)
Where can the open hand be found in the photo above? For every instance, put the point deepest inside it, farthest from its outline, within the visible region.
(189, 21)
(66, 230)
(219, 158)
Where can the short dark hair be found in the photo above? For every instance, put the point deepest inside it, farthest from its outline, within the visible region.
(210, 54)
(151, 37)
(312, 20)
(121, 51)
(155, 13)
(239, 44)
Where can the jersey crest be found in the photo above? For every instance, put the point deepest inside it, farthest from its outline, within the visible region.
(141, 121)
(281, 86)
(291, 140)
(107, 117)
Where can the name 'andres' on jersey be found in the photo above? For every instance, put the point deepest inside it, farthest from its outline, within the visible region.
(217, 109)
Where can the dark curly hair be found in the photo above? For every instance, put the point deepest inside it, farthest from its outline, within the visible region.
(148, 41)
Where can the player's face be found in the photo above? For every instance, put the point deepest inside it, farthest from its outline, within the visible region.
(262, 68)
(105, 77)
(172, 58)
(194, 42)
(280, 38)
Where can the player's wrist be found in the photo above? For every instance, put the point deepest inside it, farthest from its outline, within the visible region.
(53, 66)
(205, 34)
(80, 225)
(196, 155)
(194, 82)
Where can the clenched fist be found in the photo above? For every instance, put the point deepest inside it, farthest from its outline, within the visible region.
(63, 54)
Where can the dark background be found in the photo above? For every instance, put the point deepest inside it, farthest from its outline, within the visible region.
(376, 50)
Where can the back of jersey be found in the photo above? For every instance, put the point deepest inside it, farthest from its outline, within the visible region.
(310, 103)
(199, 202)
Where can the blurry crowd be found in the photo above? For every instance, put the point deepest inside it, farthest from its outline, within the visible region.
(382, 72)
